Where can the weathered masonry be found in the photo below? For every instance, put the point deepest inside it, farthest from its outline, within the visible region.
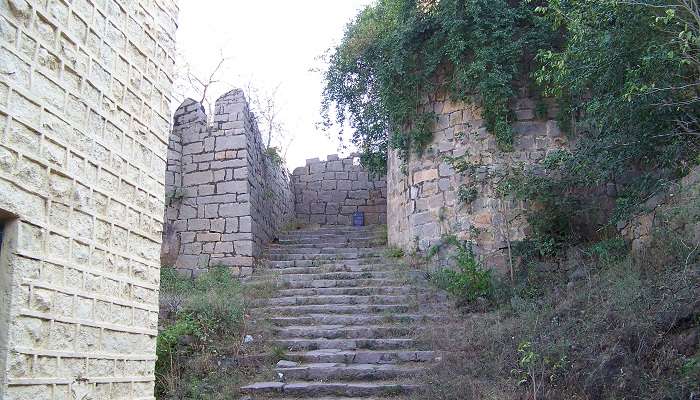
(226, 197)
(84, 122)
(429, 198)
(330, 192)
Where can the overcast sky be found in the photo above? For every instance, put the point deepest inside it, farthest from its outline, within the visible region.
(270, 43)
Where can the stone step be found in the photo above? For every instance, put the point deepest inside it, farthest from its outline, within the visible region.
(326, 398)
(369, 267)
(331, 232)
(334, 283)
(345, 389)
(280, 264)
(352, 319)
(334, 309)
(323, 257)
(336, 299)
(353, 291)
(327, 237)
(328, 240)
(361, 356)
(348, 372)
(360, 244)
(331, 276)
(342, 332)
(288, 249)
(305, 344)
(334, 228)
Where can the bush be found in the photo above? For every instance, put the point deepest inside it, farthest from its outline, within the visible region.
(470, 280)
(395, 252)
(202, 321)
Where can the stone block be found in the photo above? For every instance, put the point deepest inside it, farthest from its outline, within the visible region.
(223, 247)
(358, 194)
(211, 211)
(198, 225)
(301, 171)
(332, 208)
(218, 225)
(244, 248)
(317, 219)
(232, 187)
(233, 142)
(208, 237)
(329, 185)
(231, 225)
(245, 224)
(197, 178)
(234, 210)
(425, 175)
(317, 168)
(344, 185)
(318, 208)
(334, 166)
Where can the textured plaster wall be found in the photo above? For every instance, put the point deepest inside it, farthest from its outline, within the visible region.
(423, 198)
(226, 197)
(329, 192)
(84, 123)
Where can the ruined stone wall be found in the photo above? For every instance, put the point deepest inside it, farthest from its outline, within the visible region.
(84, 123)
(226, 197)
(329, 192)
(668, 217)
(424, 199)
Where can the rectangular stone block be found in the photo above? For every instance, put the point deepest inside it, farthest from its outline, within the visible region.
(236, 142)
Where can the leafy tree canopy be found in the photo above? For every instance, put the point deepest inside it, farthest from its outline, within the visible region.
(625, 74)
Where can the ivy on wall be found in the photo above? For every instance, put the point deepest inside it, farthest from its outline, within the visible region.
(398, 51)
(625, 75)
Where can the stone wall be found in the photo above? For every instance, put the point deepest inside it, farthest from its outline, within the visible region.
(226, 197)
(84, 122)
(424, 201)
(329, 192)
(668, 217)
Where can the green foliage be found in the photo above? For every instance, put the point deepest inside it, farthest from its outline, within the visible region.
(208, 310)
(470, 280)
(609, 251)
(398, 51)
(174, 196)
(467, 194)
(626, 77)
(167, 340)
(274, 156)
(395, 252)
(552, 209)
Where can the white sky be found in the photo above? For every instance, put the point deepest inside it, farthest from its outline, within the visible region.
(270, 43)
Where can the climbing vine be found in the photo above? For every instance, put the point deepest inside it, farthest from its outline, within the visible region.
(398, 51)
(625, 76)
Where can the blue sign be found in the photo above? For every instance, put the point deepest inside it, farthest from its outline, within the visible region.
(358, 219)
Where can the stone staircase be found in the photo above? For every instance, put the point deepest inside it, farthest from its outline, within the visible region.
(345, 315)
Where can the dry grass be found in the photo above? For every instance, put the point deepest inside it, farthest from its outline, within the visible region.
(201, 347)
(626, 330)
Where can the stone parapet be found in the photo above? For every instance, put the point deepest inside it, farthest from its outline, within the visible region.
(226, 197)
(329, 192)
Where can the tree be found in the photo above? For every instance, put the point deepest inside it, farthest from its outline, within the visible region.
(267, 109)
(201, 86)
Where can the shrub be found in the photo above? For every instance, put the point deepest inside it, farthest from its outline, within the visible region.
(470, 280)
(395, 252)
(201, 319)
